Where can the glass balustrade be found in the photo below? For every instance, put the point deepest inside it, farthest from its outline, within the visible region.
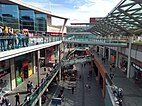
(12, 42)
(77, 60)
(97, 40)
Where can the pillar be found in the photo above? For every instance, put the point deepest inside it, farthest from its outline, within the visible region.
(58, 53)
(40, 102)
(117, 57)
(45, 56)
(109, 54)
(99, 50)
(38, 66)
(129, 57)
(13, 76)
(103, 51)
(34, 63)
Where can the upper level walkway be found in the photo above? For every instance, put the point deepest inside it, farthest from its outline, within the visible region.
(11, 42)
(15, 46)
(97, 41)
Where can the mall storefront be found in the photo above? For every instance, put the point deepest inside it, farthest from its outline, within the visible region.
(23, 68)
(52, 54)
(122, 63)
(136, 72)
(5, 84)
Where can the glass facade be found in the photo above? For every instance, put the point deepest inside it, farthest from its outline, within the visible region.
(12, 16)
(9, 16)
(40, 22)
(27, 19)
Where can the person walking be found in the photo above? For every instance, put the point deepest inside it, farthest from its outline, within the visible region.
(17, 96)
(2, 102)
(28, 86)
(72, 90)
(110, 67)
(31, 87)
(7, 102)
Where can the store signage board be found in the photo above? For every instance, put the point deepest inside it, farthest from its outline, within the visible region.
(136, 66)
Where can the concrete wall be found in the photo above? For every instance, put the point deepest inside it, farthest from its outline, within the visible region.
(57, 29)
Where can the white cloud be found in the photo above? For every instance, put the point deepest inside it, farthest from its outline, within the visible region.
(81, 11)
(93, 8)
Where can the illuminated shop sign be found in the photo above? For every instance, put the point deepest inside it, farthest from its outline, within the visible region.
(136, 66)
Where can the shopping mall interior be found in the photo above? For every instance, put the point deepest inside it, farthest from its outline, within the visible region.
(85, 64)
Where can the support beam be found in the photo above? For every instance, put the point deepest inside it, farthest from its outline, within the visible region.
(119, 27)
(62, 30)
(34, 63)
(117, 57)
(129, 57)
(13, 76)
(38, 67)
(127, 14)
(123, 20)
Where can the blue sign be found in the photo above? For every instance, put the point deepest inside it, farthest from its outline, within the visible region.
(56, 101)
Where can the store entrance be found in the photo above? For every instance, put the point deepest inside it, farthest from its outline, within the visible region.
(25, 70)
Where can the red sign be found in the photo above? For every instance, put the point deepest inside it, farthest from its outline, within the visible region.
(92, 20)
(54, 34)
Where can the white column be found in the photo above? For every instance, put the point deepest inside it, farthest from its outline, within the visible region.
(129, 57)
(12, 67)
(38, 66)
(58, 54)
(109, 54)
(40, 104)
(99, 50)
(34, 63)
(117, 57)
(103, 51)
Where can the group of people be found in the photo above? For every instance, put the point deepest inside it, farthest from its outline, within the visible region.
(118, 93)
(10, 39)
(4, 101)
(30, 87)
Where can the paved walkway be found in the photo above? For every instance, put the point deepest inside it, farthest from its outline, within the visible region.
(132, 92)
(82, 95)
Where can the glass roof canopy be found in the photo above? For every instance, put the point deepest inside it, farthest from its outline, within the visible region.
(124, 20)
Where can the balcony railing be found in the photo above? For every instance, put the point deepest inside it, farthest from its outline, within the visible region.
(12, 42)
